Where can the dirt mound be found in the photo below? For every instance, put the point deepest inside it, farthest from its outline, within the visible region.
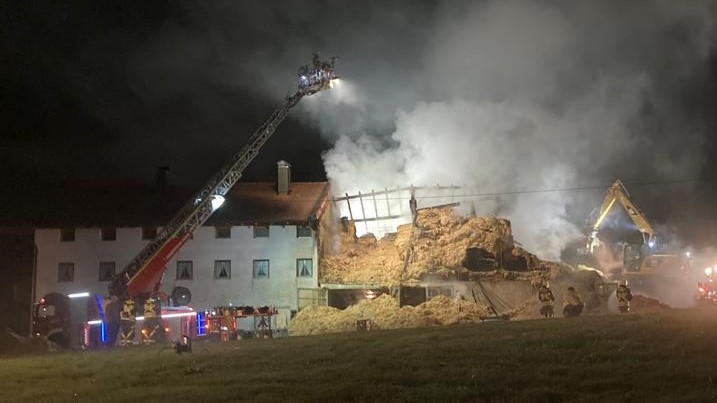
(384, 313)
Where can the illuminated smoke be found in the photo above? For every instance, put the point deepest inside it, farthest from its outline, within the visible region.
(521, 96)
(494, 96)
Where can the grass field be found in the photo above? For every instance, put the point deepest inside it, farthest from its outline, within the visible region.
(665, 357)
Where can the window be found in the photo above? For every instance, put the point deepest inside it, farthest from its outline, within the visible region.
(303, 231)
(149, 233)
(223, 232)
(107, 271)
(67, 234)
(222, 269)
(109, 234)
(185, 270)
(261, 231)
(65, 272)
(261, 269)
(304, 267)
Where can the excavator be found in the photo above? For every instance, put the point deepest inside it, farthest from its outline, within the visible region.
(626, 257)
(650, 267)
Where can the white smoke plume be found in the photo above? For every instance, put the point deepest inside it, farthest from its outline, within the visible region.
(520, 96)
(493, 96)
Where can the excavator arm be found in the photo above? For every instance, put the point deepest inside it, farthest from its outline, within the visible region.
(618, 193)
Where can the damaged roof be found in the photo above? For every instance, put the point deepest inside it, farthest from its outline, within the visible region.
(250, 203)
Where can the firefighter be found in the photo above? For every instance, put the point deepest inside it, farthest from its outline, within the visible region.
(152, 330)
(112, 320)
(546, 298)
(572, 304)
(304, 76)
(413, 204)
(624, 296)
(128, 322)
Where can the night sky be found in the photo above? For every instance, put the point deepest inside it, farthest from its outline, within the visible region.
(499, 96)
(105, 92)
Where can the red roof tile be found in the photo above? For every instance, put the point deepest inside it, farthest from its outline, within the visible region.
(138, 205)
(258, 203)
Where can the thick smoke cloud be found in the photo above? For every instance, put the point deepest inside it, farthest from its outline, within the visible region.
(493, 96)
(231, 62)
(518, 95)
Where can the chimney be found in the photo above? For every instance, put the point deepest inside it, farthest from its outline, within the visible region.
(283, 177)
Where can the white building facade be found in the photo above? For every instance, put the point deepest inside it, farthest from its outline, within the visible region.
(236, 259)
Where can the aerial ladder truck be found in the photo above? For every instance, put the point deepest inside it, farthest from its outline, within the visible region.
(141, 278)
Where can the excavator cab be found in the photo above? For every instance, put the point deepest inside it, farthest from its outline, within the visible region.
(632, 256)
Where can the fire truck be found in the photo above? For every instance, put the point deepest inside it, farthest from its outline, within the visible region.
(139, 282)
(225, 323)
(707, 289)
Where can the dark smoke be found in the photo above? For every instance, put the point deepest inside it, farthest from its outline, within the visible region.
(491, 95)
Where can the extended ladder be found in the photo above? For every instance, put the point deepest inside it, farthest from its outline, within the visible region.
(143, 275)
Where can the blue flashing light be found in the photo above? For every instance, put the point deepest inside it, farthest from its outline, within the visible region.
(103, 332)
(201, 330)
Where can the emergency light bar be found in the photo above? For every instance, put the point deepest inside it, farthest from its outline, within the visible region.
(141, 318)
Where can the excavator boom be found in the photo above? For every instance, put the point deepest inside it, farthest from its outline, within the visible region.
(618, 193)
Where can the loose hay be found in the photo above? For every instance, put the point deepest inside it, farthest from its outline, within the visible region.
(441, 240)
(384, 313)
(441, 245)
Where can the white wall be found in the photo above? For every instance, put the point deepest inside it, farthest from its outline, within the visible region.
(85, 252)
(282, 248)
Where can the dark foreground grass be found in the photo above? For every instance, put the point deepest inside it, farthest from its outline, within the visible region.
(666, 357)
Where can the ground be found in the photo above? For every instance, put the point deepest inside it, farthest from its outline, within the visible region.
(666, 356)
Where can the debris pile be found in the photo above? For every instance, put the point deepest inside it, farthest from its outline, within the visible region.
(443, 243)
(384, 313)
(447, 242)
(441, 246)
